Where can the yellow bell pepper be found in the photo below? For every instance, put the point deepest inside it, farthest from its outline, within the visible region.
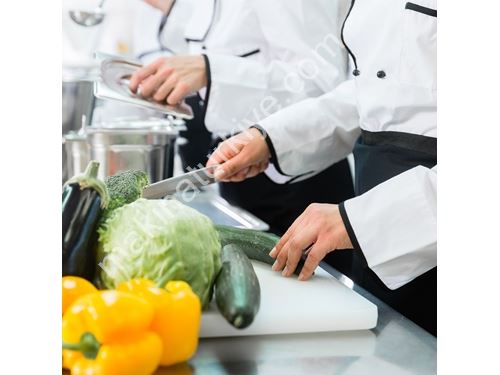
(177, 316)
(109, 333)
(73, 287)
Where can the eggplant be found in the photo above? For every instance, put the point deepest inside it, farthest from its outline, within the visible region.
(83, 200)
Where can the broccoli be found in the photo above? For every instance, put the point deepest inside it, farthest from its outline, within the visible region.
(124, 187)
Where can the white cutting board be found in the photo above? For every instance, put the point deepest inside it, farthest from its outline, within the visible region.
(321, 304)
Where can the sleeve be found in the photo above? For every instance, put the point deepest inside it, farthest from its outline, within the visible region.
(394, 225)
(300, 56)
(308, 137)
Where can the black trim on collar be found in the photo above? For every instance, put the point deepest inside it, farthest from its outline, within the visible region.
(421, 9)
(161, 27)
(251, 53)
(348, 227)
(209, 86)
(209, 26)
(343, 40)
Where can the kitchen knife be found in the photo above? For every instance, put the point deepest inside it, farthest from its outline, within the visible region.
(186, 182)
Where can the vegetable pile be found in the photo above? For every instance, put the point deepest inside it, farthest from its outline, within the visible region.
(159, 261)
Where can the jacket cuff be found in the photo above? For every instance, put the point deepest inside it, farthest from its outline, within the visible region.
(348, 227)
(272, 151)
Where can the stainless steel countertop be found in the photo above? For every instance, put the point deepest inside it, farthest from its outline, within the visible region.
(395, 346)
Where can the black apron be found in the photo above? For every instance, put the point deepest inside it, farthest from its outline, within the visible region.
(198, 140)
(378, 157)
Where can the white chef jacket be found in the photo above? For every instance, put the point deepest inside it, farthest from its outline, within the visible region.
(393, 46)
(291, 50)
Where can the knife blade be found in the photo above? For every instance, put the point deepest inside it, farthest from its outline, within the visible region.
(185, 182)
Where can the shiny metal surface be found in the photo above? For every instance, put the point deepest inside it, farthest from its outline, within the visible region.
(149, 149)
(126, 143)
(219, 210)
(77, 101)
(113, 85)
(88, 18)
(191, 181)
(76, 154)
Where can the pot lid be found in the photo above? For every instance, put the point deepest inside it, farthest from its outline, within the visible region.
(115, 75)
(167, 125)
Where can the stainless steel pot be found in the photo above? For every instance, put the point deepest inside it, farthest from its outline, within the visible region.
(123, 144)
(77, 101)
(76, 154)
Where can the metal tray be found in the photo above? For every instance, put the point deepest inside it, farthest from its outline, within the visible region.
(221, 212)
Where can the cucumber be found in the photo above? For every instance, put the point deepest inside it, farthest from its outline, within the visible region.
(237, 289)
(255, 244)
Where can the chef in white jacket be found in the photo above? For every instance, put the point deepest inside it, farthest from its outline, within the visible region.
(246, 63)
(386, 113)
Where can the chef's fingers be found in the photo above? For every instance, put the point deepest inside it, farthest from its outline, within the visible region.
(232, 166)
(257, 169)
(315, 256)
(180, 91)
(150, 86)
(165, 88)
(293, 249)
(142, 73)
(225, 151)
(222, 153)
(217, 157)
(239, 176)
(298, 223)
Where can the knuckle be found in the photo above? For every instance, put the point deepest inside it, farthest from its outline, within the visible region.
(164, 72)
(312, 207)
(230, 168)
(314, 258)
(322, 222)
(293, 243)
(244, 160)
(182, 85)
(158, 97)
(174, 77)
(282, 257)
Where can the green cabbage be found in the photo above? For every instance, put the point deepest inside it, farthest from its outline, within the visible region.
(160, 240)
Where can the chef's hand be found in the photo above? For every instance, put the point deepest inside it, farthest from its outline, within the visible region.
(163, 5)
(171, 78)
(321, 228)
(240, 157)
